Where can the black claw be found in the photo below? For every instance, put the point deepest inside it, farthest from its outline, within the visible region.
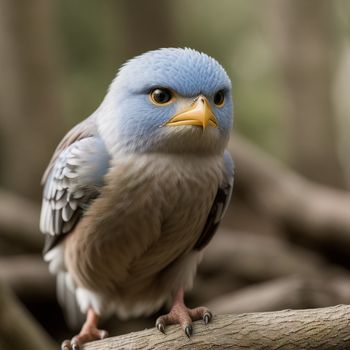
(189, 330)
(75, 346)
(160, 327)
(207, 317)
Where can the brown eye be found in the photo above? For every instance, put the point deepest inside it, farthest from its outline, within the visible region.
(219, 98)
(161, 96)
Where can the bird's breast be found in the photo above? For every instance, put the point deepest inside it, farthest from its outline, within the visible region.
(150, 212)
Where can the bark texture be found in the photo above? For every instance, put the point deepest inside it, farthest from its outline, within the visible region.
(326, 328)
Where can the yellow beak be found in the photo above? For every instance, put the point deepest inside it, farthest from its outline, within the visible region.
(200, 114)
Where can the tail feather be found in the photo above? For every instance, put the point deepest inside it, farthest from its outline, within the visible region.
(67, 299)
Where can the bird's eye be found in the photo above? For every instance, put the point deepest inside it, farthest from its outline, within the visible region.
(161, 96)
(219, 98)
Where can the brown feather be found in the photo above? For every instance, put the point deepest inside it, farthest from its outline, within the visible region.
(147, 218)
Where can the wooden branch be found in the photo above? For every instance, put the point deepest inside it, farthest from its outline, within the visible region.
(19, 221)
(292, 292)
(234, 259)
(249, 272)
(326, 328)
(28, 276)
(321, 213)
(255, 257)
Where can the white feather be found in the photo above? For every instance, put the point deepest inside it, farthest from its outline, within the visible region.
(87, 298)
(55, 258)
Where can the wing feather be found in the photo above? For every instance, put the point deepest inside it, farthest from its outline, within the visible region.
(72, 180)
(86, 128)
(220, 204)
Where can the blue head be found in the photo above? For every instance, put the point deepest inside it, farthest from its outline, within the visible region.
(168, 100)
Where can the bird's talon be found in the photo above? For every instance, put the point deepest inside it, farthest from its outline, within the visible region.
(160, 326)
(207, 317)
(188, 330)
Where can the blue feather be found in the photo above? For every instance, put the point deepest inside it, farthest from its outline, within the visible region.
(128, 112)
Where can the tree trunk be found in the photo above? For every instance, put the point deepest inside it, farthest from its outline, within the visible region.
(302, 34)
(30, 116)
(147, 25)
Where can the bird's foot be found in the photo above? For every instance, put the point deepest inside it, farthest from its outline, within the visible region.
(85, 336)
(180, 314)
(89, 332)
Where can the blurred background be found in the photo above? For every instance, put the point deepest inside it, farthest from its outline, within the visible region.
(285, 242)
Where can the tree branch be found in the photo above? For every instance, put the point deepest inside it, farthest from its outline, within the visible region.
(321, 213)
(27, 276)
(255, 257)
(18, 329)
(19, 221)
(293, 292)
(326, 328)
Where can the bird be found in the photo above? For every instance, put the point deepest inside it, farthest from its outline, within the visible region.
(134, 193)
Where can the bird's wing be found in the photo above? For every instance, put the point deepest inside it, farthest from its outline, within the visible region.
(86, 128)
(220, 204)
(72, 180)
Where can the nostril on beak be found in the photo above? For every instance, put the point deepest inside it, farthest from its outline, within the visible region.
(199, 99)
